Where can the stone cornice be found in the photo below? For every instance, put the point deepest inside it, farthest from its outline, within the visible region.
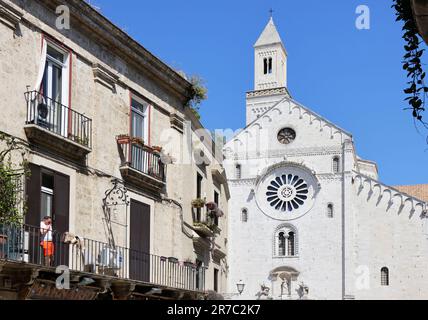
(295, 152)
(9, 16)
(268, 92)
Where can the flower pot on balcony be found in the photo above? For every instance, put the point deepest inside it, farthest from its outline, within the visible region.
(172, 260)
(163, 259)
(136, 140)
(211, 206)
(156, 149)
(189, 264)
(198, 203)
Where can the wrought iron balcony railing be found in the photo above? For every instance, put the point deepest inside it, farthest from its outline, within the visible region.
(51, 115)
(141, 157)
(26, 244)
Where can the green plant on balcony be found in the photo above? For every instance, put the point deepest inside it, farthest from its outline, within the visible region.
(198, 203)
(12, 203)
(82, 141)
(137, 140)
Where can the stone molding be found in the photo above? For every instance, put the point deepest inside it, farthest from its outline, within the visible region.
(9, 16)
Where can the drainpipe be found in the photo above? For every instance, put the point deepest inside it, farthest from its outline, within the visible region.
(183, 223)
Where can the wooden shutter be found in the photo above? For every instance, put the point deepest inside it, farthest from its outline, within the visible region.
(139, 241)
(33, 188)
(32, 217)
(61, 216)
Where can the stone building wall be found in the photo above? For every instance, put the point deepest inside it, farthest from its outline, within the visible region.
(109, 108)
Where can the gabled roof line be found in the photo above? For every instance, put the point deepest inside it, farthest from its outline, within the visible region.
(286, 98)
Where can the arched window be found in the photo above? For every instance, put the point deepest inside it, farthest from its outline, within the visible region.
(285, 241)
(330, 210)
(265, 66)
(270, 66)
(336, 165)
(384, 276)
(238, 171)
(281, 244)
(244, 215)
(290, 244)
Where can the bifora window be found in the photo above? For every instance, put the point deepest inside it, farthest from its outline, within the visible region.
(287, 193)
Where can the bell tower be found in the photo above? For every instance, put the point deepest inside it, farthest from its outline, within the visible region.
(270, 73)
(270, 60)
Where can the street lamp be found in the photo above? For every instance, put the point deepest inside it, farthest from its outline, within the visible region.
(240, 286)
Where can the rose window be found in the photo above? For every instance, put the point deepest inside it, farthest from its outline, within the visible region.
(287, 192)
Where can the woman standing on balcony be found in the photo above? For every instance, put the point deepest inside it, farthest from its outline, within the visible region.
(47, 242)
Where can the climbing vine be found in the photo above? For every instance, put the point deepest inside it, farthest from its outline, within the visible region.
(417, 90)
(12, 204)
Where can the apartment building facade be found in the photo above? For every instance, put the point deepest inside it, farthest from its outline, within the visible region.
(115, 159)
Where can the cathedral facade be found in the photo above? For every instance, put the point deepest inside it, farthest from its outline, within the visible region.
(309, 219)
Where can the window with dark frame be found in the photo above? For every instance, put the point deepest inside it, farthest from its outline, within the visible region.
(281, 244)
(216, 201)
(384, 276)
(199, 179)
(216, 272)
(238, 171)
(244, 215)
(330, 210)
(336, 165)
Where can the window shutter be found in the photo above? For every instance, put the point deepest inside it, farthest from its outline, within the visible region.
(61, 216)
(33, 186)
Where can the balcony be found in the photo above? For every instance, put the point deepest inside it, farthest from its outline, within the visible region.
(99, 264)
(57, 127)
(204, 222)
(141, 164)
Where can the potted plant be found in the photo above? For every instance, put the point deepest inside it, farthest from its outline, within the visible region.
(137, 140)
(173, 260)
(188, 263)
(157, 149)
(198, 203)
(163, 259)
(211, 206)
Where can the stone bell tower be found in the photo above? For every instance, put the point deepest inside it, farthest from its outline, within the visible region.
(270, 73)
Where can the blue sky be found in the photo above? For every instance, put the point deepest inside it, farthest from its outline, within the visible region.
(351, 77)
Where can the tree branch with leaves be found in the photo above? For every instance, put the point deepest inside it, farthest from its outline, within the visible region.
(417, 90)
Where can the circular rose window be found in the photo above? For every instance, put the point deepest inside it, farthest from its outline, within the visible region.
(286, 191)
(286, 135)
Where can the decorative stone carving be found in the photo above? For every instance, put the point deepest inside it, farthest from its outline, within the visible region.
(264, 293)
(303, 291)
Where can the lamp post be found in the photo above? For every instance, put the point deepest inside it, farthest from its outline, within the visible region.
(240, 286)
